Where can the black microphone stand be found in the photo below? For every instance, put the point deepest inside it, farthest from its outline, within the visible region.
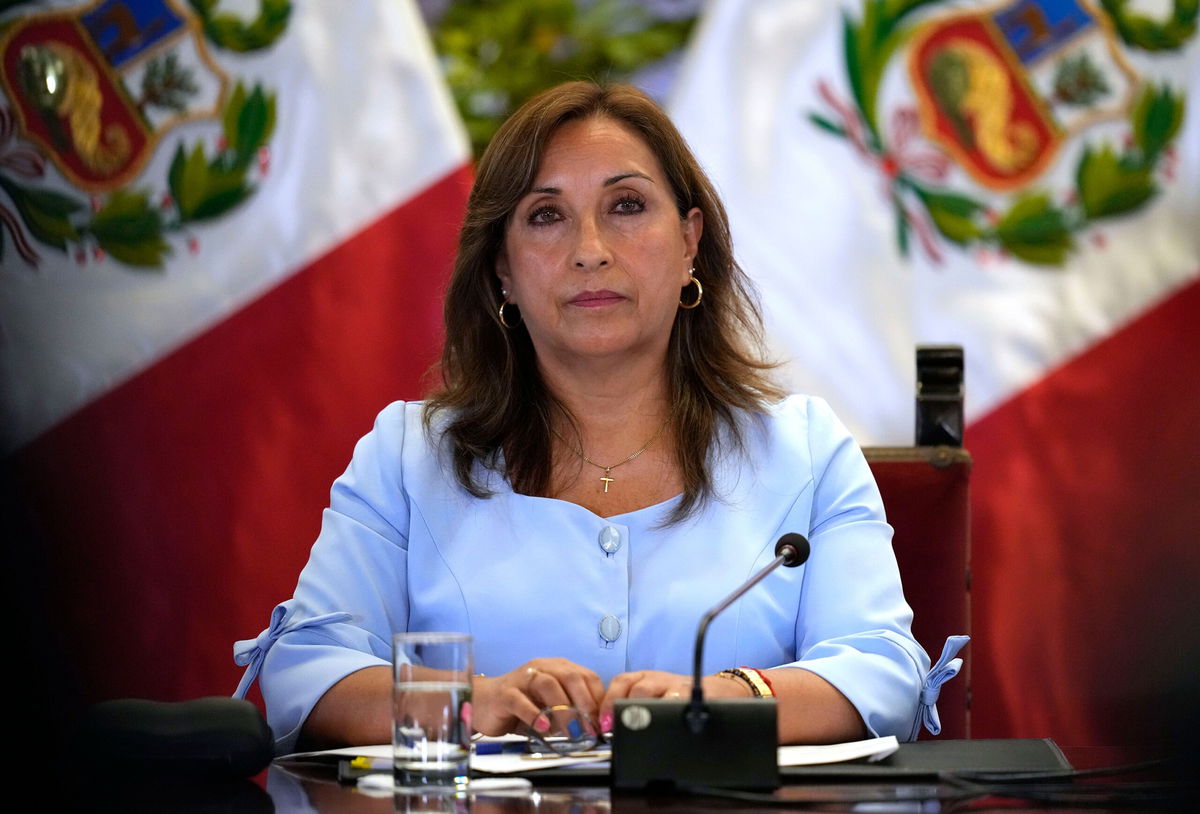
(787, 554)
(663, 742)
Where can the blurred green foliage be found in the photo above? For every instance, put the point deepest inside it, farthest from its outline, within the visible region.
(498, 53)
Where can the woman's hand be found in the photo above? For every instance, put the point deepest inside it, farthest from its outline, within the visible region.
(657, 684)
(502, 703)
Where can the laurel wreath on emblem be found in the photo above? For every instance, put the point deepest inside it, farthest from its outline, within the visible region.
(1109, 180)
(132, 225)
(232, 34)
(1142, 32)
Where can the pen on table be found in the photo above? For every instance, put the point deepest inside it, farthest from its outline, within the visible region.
(350, 770)
(586, 755)
(501, 747)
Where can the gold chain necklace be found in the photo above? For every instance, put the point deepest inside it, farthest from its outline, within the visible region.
(606, 478)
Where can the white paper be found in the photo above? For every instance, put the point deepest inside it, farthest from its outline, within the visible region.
(502, 763)
(515, 763)
(512, 763)
(380, 752)
(873, 749)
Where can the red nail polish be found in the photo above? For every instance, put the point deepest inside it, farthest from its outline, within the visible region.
(541, 724)
(606, 722)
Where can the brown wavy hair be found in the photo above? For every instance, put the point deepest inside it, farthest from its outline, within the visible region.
(492, 394)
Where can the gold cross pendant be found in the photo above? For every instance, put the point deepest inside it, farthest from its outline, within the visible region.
(607, 480)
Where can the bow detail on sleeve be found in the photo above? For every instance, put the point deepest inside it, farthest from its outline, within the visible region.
(251, 653)
(947, 667)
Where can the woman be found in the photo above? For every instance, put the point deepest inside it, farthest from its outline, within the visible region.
(605, 462)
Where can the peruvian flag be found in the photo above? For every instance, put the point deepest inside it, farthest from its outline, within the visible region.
(225, 240)
(1020, 179)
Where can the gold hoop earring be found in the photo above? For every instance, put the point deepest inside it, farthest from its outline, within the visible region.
(699, 292)
(503, 321)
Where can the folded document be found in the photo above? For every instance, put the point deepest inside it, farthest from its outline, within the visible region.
(505, 761)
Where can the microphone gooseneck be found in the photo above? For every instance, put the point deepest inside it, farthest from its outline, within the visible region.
(791, 550)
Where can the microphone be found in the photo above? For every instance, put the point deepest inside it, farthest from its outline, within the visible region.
(791, 550)
(659, 742)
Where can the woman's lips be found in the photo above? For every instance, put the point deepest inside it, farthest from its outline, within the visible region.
(596, 299)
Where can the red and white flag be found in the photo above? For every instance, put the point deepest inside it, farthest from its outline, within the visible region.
(1021, 177)
(225, 240)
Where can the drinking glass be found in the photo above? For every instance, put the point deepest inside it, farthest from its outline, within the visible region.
(431, 701)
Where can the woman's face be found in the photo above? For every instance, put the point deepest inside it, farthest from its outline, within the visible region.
(595, 254)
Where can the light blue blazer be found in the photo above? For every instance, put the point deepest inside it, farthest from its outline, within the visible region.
(404, 547)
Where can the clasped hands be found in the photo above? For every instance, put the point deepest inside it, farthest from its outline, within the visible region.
(505, 703)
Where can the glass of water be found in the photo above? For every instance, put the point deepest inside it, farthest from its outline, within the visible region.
(431, 703)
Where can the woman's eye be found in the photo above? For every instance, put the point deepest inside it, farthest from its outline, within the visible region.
(629, 205)
(544, 214)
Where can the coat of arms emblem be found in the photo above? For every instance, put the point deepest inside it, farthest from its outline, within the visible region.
(998, 91)
(95, 90)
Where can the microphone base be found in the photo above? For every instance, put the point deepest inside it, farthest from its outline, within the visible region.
(653, 746)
